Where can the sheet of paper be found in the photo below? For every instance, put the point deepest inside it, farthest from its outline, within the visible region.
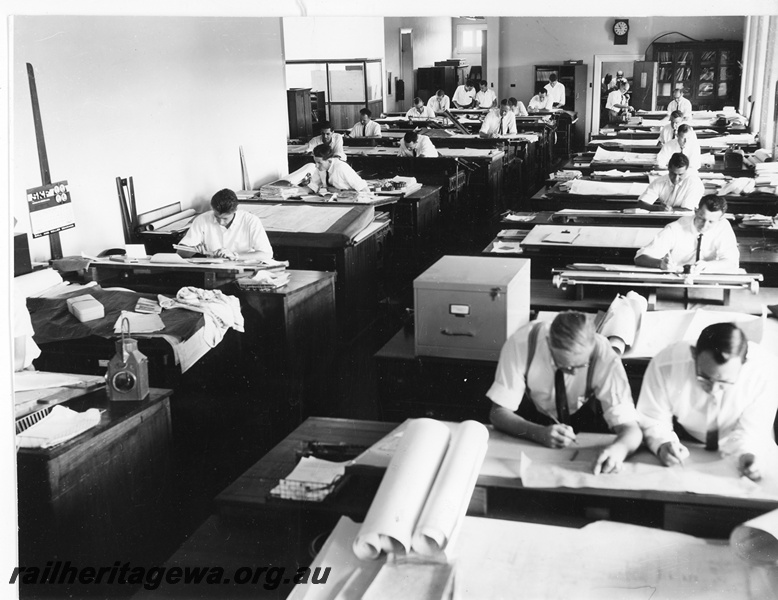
(37, 380)
(169, 258)
(563, 235)
(139, 322)
(623, 318)
(60, 425)
(297, 218)
(756, 541)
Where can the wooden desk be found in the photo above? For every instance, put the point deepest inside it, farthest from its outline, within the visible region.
(247, 498)
(290, 337)
(97, 497)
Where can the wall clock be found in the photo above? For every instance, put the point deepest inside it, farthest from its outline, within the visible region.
(620, 31)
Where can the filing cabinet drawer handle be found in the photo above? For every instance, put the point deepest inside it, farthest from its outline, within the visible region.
(457, 333)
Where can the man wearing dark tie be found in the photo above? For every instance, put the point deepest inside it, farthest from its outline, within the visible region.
(721, 392)
(499, 122)
(555, 379)
(700, 242)
(366, 127)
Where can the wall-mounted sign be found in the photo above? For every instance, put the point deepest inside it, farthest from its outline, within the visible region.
(50, 208)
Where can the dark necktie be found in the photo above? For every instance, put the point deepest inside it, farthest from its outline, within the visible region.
(500, 125)
(562, 410)
(414, 153)
(712, 435)
(699, 246)
(364, 130)
(327, 178)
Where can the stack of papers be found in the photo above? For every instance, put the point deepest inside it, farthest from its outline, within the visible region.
(264, 280)
(139, 323)
(60, 425)
(148, 307)
(312, 480)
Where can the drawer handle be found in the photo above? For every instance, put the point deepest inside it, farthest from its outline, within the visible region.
(457, 333)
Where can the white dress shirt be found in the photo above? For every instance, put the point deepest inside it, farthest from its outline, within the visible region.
(462, 96)
(615, 97)
(424, 148)
(609, 381)
(679, 238)
(341, 177)
(556, 93)
(439, 104)
(336, 144)
(425, 113)
(496, 124)
(667, 133)
(371, 129)
(520, 110)
(691, 149)
(537, 104)
(684, 194)
(746, 409)
(682, 105)
(485, 99)
(245, 234)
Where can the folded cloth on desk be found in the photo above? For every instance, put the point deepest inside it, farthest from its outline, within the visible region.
(223, 309)
(60, 425)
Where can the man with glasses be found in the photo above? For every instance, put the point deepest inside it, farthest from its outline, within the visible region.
(700, 242)
(679, 189)
(555, 379)
(684, 144)
(227, 232)
(720, 392)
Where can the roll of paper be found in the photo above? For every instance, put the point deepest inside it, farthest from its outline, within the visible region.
(32, 284)
(756, 541)
(390, 521)
(184, 214)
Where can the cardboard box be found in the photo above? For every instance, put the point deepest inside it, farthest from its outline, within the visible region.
(85, 308)
(467, 306)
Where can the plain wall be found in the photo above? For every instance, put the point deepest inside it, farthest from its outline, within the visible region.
(431, 41)
(526, 42)
(168, 101)
(333, 37)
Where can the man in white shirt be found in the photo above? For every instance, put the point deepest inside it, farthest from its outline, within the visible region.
(499, 122)
(517, 107)
(540, 101)
(617, 103)
(702, 242)
(721, 392)
(680, 104)
(417, 145)
(485, 98)
(333, 174)
(556, 91)
(227, 232)
(684, 143)
(554, 379)
(679, 189)
(328, 137)
(439, 102)
(419, 111)
(669, 131)
(366, 126)
(464, 95)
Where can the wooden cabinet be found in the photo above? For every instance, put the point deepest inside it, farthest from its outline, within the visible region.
(298, 101)
(708, 72)
(431, 79)
(318, 111)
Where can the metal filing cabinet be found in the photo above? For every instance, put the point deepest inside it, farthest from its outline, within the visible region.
(467, 306)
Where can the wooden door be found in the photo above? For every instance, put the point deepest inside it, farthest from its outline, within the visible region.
(644, 85)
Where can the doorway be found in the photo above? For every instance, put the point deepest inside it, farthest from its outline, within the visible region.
(405, 100)
(608, 64)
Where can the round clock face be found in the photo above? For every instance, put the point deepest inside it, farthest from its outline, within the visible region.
(620, 28)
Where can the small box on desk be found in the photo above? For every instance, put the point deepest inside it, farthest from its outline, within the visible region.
(85, 308)
(467, 306)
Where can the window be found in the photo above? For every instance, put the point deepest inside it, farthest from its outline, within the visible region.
(470, 38)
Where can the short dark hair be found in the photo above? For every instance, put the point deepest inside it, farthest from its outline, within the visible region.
(469, 83)
(484, 82)
(224, 201)
(676, 114)
(366, 111)
(542, 91)
(440, 93)
(417, 100)
(678, 160)
(724, 341)
(684, 128)
(570, 329)
(325, 125)
(713, 203)
(623, 82)
(552, 77)
(512, 101)
(323, 151)
(411, 136)
(504, 102)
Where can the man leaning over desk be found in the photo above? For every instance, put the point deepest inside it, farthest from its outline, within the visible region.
(555, 379)
(332, 173)
(723, 391)
(498, 122)
(228, 232)
(700, 242)
(329, 138)
(679, 189)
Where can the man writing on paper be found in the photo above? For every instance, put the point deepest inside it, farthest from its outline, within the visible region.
(485, 98)
(669, 131)
(329, 138)
(419, 110)
(679, 189)
(332, 173)
(464, 95)
(700, 242)
(517, 107)
(366, 126)
(540, 102)
(553, 380)
(722, 392)
(499, 122)
(417, 145)
(680, 104)
(228, 232)
(439, 102)
(684, 143)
